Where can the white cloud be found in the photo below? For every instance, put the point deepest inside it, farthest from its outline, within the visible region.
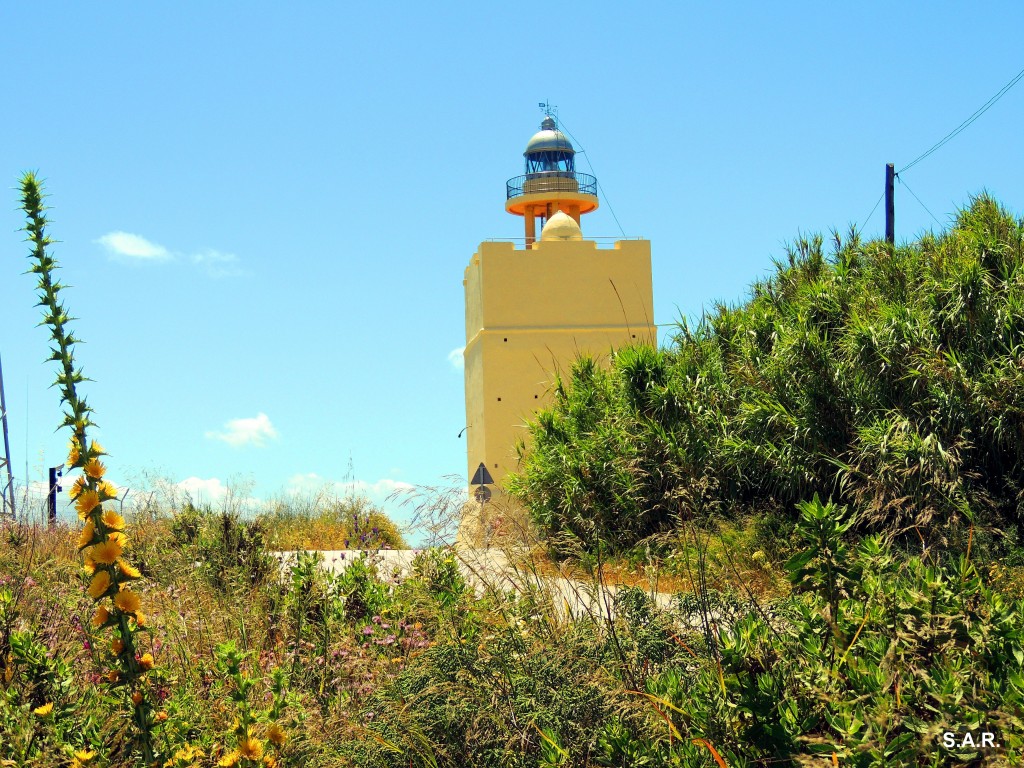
(310, 482)
(200, 490)
(378, 492)
(217, 263)
(456, 359)
(380, 489)
(238, 432)
(126, 246)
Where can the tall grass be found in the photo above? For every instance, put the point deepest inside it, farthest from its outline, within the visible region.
(872, 658)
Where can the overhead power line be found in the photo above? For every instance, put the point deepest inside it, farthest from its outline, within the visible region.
(965, 124)
(582, 151)
(918, 199)
(873, 209)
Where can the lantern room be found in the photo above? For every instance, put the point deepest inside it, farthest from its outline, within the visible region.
(551, 182)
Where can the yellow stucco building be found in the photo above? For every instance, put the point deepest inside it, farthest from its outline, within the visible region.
(531, 310)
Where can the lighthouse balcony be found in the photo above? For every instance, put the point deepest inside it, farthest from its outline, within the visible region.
(551, 181)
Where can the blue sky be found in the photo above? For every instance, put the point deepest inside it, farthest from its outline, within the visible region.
(265, 209)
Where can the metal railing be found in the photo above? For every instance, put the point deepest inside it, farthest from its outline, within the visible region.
(551, 181)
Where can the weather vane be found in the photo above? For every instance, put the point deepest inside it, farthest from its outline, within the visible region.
(549, 110)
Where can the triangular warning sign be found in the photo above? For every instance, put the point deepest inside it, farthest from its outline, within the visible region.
(482, 476)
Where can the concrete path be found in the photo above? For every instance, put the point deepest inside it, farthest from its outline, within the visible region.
(492, 570)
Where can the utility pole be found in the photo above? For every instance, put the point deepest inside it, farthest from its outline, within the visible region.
(8, 495)
(890, 204)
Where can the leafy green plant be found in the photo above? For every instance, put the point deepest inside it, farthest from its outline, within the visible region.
(824, 565)
(362, 592)
(257, 735)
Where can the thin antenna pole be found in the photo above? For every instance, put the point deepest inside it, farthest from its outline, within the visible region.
(350, 477)
(9, 495)
(890, 204)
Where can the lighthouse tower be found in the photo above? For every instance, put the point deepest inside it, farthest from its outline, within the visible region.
(531, 309)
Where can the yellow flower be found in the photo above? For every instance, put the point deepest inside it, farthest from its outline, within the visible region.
(161, 716)
(101, 617)
(116, 645)
(276, 734)
(99, 585)
(96, 449)
(83, 756)
(140, 618)
(250, 748)
(119, 537)
(136, 698)
(87, 502)
(128, 571)
(89, 566)
(106, 552)
(44, 710)
(73, 453)
(269, 761)
(187, 753)
(87, 535)
(146, 661)
(230, 759)
(79, 486)
(127, 601)
(106, 490)
(113, 675)
(112, 520)
(94, 468)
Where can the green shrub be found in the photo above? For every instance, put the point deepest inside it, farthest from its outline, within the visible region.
(887, 379)
(233, 551)
(873, 659)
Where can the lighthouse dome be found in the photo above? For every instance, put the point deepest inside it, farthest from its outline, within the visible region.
(549, 139)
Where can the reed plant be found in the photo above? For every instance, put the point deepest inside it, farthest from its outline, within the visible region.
(887, 378)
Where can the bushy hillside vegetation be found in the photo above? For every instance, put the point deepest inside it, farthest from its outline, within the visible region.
(887, 379)
(176, 636)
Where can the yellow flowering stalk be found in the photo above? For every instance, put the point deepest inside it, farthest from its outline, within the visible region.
(102, 540)
(254, 747)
